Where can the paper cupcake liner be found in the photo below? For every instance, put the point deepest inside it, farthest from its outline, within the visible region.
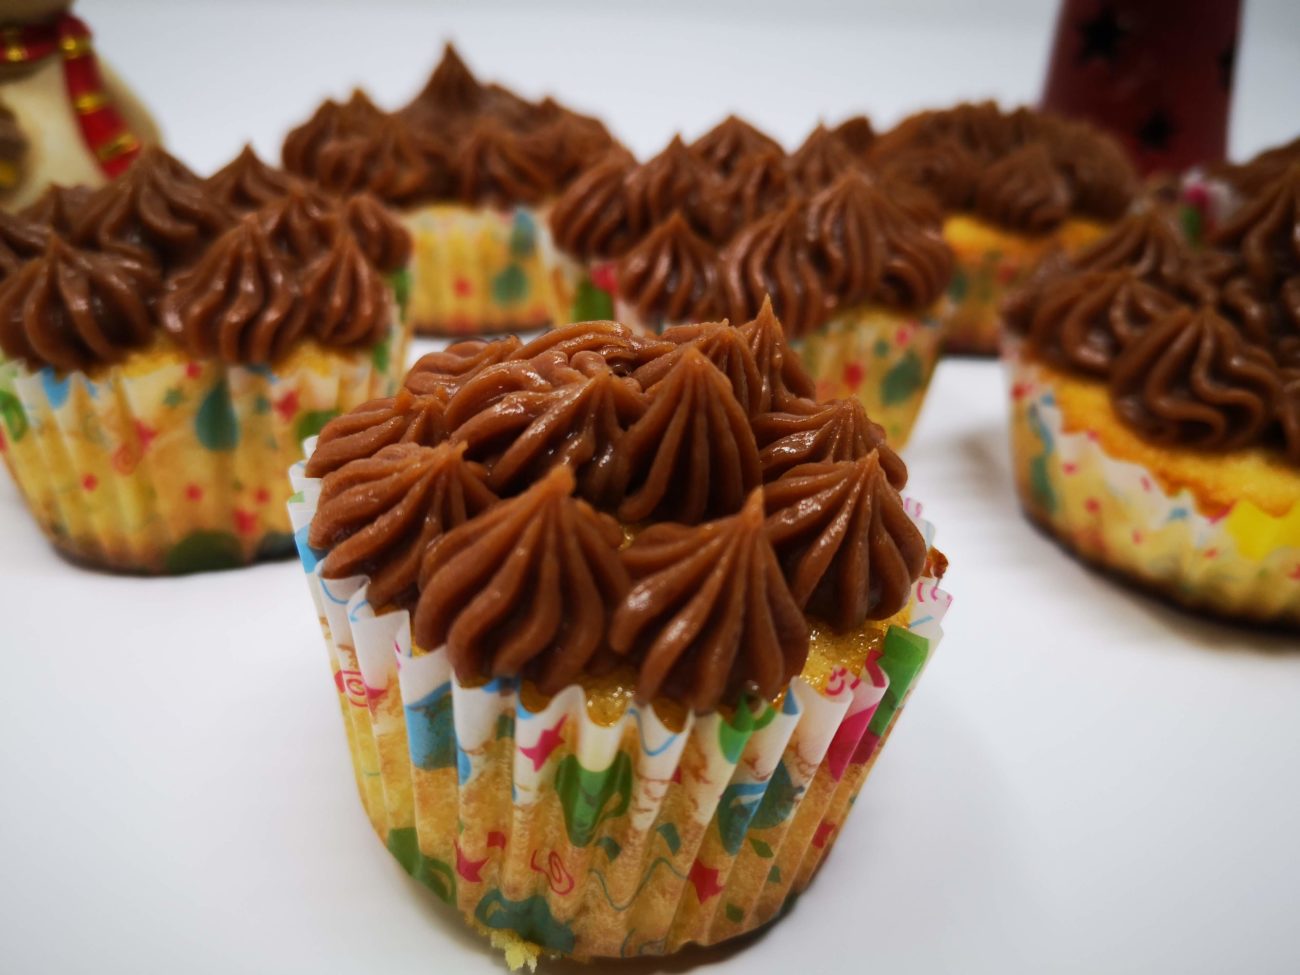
(476, 270)
(884, 359)
(556, 833)
(990, 262)
(163, 465)
(1243, 563)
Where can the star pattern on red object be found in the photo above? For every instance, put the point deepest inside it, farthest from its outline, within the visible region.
(287, 405)
(547, 742)
(705, 881)
(469, 870)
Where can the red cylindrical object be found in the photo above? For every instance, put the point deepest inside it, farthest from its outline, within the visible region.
(1157, 74)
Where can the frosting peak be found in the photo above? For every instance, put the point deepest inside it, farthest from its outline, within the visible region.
(246, 183)
(729, 143)
(773, 257)
(670, 276)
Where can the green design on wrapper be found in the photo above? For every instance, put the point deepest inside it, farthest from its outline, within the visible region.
(591, 304)
(510, 286)
(312, 422)
(404, 845)
(589, 798)
(902, 658)
(204, 552)
(15, 417)
(903, 379)
(530, 918)
(216, 424)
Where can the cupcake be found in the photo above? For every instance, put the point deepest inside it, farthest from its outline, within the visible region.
(1156, 409)
(471, 168)
(854, 268)
(167, 342)
(1207, 196)
(1014, 186)
(654, 614)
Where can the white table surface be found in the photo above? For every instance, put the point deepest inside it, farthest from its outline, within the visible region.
(1086, 780)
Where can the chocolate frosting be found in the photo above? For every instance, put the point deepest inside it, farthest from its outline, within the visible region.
(692, 455)
(614, 343)
(241, 302)
(493, 166)
(448, 369)
(946, 169)
(1085, 321)
(820, 160)
(782, 374)
(347, 301)
(1289, 412)
(727, 348)
(1265, 231)
(709, 614)
(756, 185)
(566, 142)
(58, 207)
(303, 146)
(591, 218)
(246, 183)
(405, 418)
(1024, 190)
(773, 257)
(730, 143)
(386, 243)
(1147, 244)
(21, 239)
(671, 275)
(73, 309)
(808, 432)
(1251, 177)
(387, 159)
(302, 223)
(452, 89)
(849, 549)
(578, 423)
(676, 180)
(157, 211)
(856, 134)
(524, 589)
(1191, 379)
(377, 515)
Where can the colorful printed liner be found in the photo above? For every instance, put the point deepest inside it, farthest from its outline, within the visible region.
(882, 358)
(990, 263)
(1243, 563)
(553, 834)
(163, 465)
(478, 270)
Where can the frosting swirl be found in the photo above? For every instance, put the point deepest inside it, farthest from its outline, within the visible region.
(808, 432)
(773, 257)
(590, 219)
(347, 302)
(246, 183)
(524, 589)
(730, 143)
(614, 343)
(386, 243)
(727, 348)
(1191, 379)
(377, 515)
(820, 160)
(856, 134)
(676, 180)
(1147, 244)
(72, 309)
(1265, 232)
(493, 166)
(1024, 190)
(448, 369)
(670, 276)
(755, 185)
(303, 146)
(405, 418)
(452, 89)
(692, 455)
(302, 223)
(58, 208)
(240, 303)
(157, 211)
(387, 159)
(21, 239)
(849, 549)
(782, 375)
(709, 614)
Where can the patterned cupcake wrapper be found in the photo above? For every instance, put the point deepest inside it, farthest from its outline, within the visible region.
(1242, 564)
(477, 270)
(163, 465)
(882, 358)
(990, 263)
(554, 834)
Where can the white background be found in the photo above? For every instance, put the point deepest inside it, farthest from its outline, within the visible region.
(1087, 781)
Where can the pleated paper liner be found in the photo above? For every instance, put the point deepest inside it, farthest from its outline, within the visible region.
(1241, 563)
(477, 270)
(882, 358)
(990, 263)
(164, 465)
(561, 828)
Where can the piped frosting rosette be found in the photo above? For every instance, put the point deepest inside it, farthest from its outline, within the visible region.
(610, 736)
(854, 267)
(1156, 408)
(166, 343)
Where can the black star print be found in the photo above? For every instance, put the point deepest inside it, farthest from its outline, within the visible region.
(1100, 36)
(1154, 134)
(1227, 62)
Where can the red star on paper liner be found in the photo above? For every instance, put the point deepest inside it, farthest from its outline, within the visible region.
(496, 838)
(469, 870)
(705, 881)
(245, 521)
(549, 740)
(824, 831)
(145, 433)
(603, 277)
(287, 405)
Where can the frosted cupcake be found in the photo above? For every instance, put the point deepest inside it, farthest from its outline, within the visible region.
(1156, 411)
(471, 167)
(167, 348)
(654, 611)
(854, 270)
(1015, 186)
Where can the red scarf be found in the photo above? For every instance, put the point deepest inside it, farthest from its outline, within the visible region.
(103, 129)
